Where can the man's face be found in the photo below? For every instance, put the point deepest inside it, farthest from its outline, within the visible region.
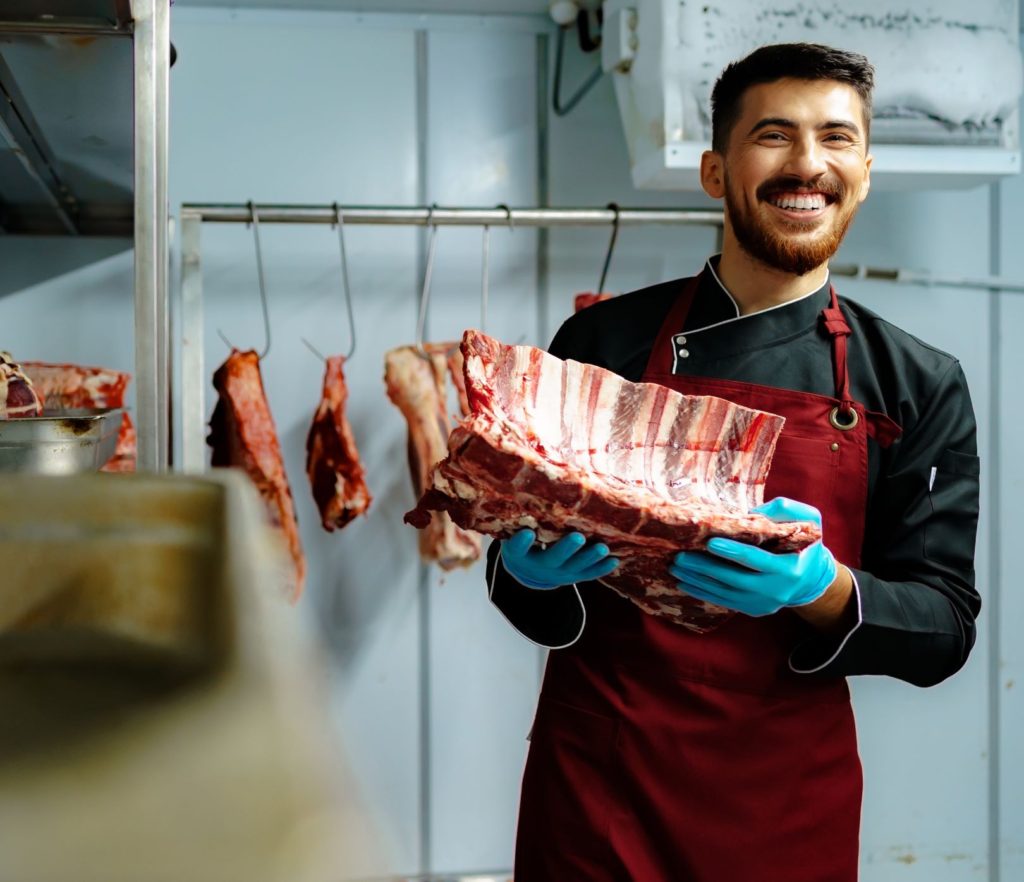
(794, 172)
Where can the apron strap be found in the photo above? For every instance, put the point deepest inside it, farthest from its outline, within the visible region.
(835, 324)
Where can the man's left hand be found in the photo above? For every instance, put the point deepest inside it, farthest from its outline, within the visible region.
(751, 580)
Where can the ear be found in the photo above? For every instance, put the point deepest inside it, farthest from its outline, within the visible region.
(866, 185)
(712, 174)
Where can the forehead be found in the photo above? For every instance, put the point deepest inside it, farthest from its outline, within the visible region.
(803, 101)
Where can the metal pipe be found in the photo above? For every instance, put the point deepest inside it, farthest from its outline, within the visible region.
(493, 217)
(73, 27)
(193, 374)
(911, 277)
(152, 59)
(162, 75)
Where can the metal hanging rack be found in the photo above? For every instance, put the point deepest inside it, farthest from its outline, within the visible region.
(193, 215)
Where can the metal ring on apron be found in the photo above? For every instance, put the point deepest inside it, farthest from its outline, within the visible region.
(833, 418)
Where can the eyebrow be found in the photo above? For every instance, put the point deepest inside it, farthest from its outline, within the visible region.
(783, 123)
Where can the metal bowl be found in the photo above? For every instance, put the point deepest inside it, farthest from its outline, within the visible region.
(64, 442)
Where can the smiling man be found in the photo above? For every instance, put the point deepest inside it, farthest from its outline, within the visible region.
(664, 754)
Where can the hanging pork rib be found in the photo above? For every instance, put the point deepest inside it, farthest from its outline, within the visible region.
(74, 386)
(18, 397)
(332, 461)
(416, 385)
(557, 446)
(242, 434)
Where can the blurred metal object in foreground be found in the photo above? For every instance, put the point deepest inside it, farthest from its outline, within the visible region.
(161, 712)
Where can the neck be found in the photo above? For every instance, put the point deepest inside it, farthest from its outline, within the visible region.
(756, 286)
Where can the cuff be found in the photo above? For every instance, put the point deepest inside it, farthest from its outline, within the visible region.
(549, 618)
(814, 655)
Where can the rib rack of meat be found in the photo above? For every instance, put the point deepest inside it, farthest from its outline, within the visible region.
(18, 396)
(332, 461)
(242, 434)
(72, 386)
(557, 446)
(416, 385)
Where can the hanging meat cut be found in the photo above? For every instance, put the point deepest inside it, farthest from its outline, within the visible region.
(415, 383)
(557, 445)
(242, 434)
(18, 396)
(68, 386)
(74, 386)
(582, 301)
(332, 461)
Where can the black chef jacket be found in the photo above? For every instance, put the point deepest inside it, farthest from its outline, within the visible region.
(915, 592)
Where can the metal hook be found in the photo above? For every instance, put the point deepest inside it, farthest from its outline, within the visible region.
(340, 223)
(314, 350)
(611, 247)
(425, 294)
(508, 213)
(486, 274)
(263, 288)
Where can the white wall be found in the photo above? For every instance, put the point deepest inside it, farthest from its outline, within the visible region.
(315, 107)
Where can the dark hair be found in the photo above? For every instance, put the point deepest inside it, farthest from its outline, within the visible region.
(800, 61)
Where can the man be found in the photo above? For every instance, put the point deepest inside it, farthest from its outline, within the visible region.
(658, 753)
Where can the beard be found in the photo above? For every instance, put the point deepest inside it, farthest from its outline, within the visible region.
(794, 254)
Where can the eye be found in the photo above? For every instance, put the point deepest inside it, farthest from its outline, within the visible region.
(773, 136)
(839, 138)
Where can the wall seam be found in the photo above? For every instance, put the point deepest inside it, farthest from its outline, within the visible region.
(425, 858)
(994, 544)
(543, 234)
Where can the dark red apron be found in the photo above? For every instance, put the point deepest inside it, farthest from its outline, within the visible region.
(660, 755)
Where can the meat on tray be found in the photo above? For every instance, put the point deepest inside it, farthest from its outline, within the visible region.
(242, 434)
(557, 446)
(416, 385)
(18, 395)
(74, 386)
(332, 461)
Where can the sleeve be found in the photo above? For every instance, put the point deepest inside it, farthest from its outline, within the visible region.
(916, 599)
(553, 619)
(549, 618)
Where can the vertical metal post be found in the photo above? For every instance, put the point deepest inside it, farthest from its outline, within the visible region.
(994, 598)
(425, 698)
(152, 61)
(193, 374)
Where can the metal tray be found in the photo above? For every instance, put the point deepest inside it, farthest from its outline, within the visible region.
(63, 442)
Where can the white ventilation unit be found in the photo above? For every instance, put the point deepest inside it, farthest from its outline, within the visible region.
(947, 80)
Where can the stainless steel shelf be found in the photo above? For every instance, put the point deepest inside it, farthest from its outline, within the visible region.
(83, 152)
(66, 155)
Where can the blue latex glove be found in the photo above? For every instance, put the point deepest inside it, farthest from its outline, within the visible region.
(569, 560)
(754, 581)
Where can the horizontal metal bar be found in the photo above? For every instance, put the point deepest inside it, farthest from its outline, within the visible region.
(546, 217)
(911, 277)
(74, 27)
(422, 216)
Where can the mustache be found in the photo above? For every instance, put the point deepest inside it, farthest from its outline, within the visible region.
(831, 187)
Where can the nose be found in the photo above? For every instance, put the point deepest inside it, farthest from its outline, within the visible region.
(806, 159)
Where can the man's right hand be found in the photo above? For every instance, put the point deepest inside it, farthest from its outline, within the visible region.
(567, 561)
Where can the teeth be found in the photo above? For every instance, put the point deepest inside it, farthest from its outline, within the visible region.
(806, 203)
